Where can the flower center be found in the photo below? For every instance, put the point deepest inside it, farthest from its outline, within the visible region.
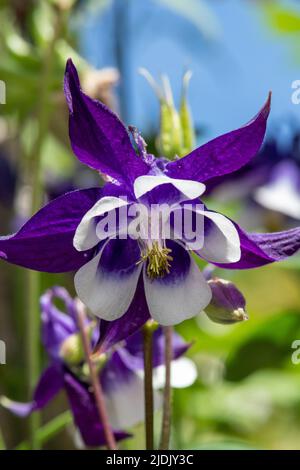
(158, 258)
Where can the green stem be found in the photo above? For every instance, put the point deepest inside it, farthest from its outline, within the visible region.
(32, 277)
(148, 385)
(166, 421)
(2, 441)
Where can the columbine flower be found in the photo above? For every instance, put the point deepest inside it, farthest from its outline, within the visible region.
(120, 366)
(112, 273)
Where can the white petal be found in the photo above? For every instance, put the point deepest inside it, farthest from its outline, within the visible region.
(107, 295)
(281, 196)
(171, 303)
(85, 236)
(190, 189)
(222, 243)
(125, 404)
(183, 374)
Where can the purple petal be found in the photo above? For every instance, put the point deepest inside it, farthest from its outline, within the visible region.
(85, 413)
(224, 154)
(98, 137)
(56, 325)
(116, 371)
(136, 316)
(45, 242)
(50, 383)
(17, 408)
(259, 249)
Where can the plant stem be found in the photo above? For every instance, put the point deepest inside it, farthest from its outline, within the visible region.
(166, 421)
(96, 384)
(32, 277)
(148, 385)
(2, 441)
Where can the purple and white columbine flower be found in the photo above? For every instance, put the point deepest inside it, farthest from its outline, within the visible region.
(120, 367)
(112, 273)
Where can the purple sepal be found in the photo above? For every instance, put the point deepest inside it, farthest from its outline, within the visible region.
(50, 383)
(45, 242)
(258, 249)
(17, 408)
(56, 325)
(118, 370)
(85, 414)
(98, 137)
(224, 154)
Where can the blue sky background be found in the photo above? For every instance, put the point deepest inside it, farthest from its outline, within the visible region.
(231, 77)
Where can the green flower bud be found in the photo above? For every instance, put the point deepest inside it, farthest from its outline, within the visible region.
(188, 133)
(71, 350)
(170, 138)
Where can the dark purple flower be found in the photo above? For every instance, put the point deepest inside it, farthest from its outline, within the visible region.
(120, 370)
(112, 272)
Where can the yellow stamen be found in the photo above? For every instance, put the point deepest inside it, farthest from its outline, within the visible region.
(158, 259)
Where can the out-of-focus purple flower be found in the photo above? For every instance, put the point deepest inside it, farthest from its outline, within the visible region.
(120, 366)
(112, 272)
(272, 179)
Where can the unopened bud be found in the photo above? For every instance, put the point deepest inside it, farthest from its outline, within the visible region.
(71, 350)
(188, 133)
(170, 136)
(227, 305)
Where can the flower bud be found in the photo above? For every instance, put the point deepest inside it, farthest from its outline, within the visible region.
(188, 133)
(170, 138)
(71, 350)
(227, 305)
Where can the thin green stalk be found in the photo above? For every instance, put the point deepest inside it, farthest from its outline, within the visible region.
(167, 404)
(148, 385)
(49, 430)
(2, 441)
(32, 277)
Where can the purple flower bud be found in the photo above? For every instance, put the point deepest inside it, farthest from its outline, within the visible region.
(228, 303)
